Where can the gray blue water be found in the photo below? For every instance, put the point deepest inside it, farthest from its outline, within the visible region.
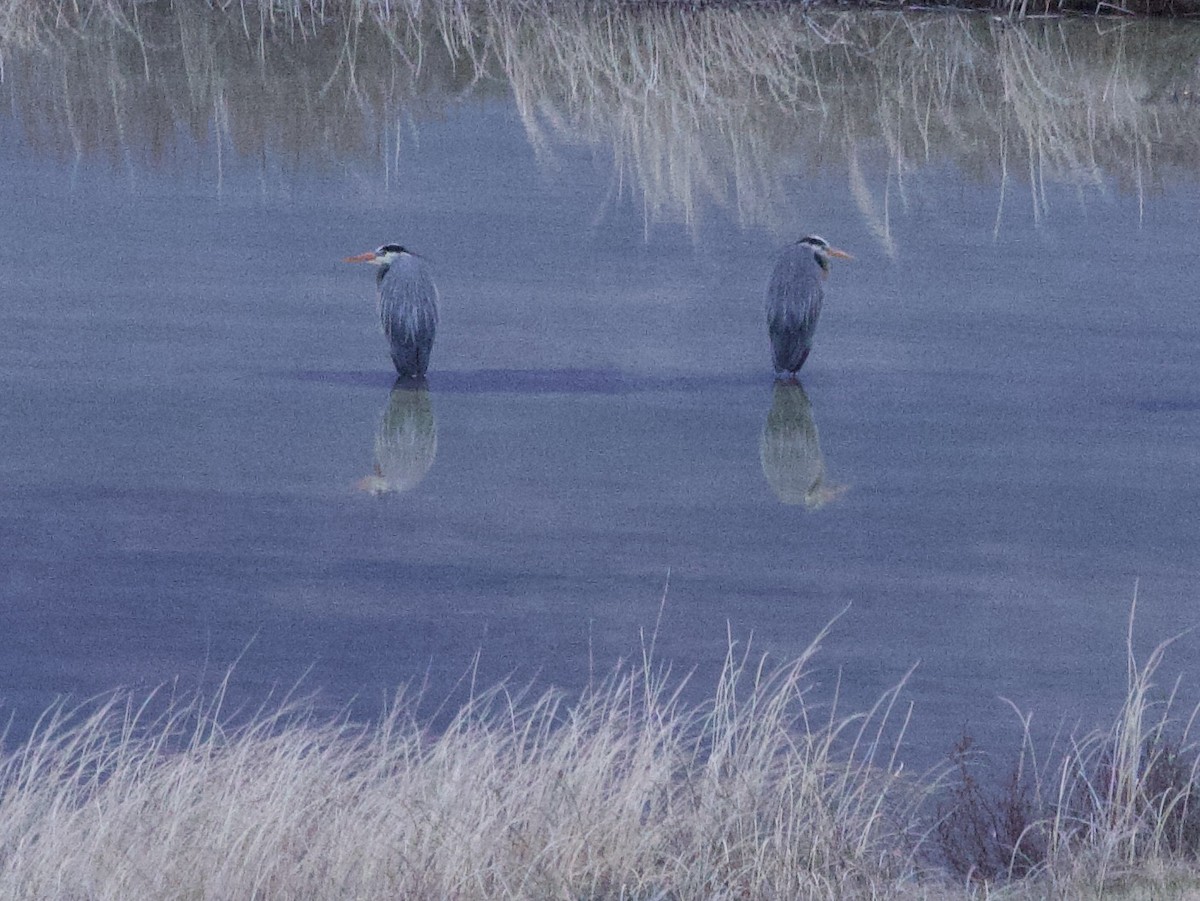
(995, 441)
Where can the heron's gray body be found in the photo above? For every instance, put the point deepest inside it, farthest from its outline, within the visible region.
(408, 312)
(795, 294)
(794, 297)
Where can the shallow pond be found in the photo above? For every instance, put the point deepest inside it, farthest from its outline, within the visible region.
(203, 460)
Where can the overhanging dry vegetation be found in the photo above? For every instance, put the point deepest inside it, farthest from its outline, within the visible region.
(717, 105)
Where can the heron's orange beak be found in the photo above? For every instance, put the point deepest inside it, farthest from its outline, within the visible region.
(361, 258)
(840, 254)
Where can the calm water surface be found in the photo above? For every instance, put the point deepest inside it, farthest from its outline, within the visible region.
(203, 459)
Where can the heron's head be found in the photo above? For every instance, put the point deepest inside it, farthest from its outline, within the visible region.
(380, 256)
(823, 250)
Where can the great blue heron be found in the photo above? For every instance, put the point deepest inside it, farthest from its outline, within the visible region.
(407, 306)
(794, 296)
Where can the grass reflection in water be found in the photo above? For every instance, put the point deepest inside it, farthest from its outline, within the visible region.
(717, 105)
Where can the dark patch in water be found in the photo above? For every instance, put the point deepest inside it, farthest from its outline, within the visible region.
(533, 381)
(368, 379)
(1169, 405)
(537, 381)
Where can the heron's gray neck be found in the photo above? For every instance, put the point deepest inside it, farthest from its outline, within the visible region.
(381, 271)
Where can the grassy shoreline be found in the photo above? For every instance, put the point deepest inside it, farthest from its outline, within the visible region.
(625, 793)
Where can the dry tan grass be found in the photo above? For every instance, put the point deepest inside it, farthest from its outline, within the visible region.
(626, 793)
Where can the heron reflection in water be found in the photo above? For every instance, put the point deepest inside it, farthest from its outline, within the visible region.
(407, 306)
(406, 442)
(790, 450)
(794, 296)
